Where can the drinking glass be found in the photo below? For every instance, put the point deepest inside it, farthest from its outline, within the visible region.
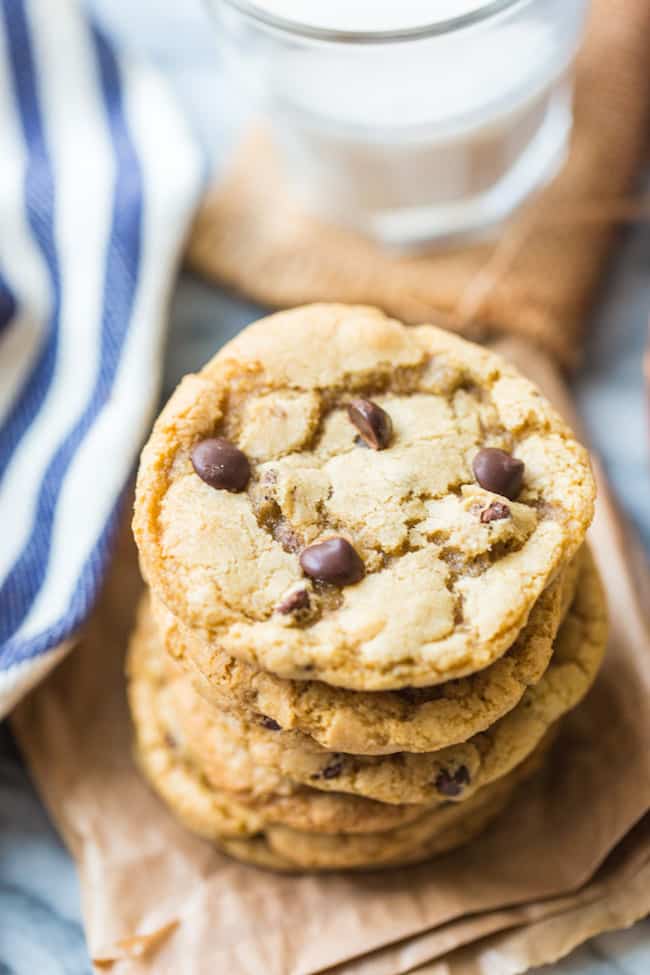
(410, 121)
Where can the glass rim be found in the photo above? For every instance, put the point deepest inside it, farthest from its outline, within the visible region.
(490, 9)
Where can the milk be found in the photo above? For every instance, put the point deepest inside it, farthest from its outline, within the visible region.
(414, 140)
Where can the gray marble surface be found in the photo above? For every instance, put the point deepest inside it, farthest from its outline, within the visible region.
(40, 929)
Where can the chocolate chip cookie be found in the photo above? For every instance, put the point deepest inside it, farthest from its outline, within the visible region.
(338, 497)
(236, 754)
(248, 831)
(291, 851)
(232, 773)
(374, 723)
(437, 831)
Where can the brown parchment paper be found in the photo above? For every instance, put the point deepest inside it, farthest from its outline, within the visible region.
(621, 898)
(156, 899)
(536, 280)
(614, 898)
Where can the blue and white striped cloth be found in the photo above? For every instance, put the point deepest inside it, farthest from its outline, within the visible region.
(98, 179)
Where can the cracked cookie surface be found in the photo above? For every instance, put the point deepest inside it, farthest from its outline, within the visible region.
(251, 754)
(449, 577)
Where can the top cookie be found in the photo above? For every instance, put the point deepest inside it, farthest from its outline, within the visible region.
(336, 496)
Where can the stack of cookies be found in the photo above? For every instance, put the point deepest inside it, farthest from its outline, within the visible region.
(370, 600)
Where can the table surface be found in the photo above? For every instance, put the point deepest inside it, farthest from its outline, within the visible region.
(40, 929)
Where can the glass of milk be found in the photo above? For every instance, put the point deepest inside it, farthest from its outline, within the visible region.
(410, 120)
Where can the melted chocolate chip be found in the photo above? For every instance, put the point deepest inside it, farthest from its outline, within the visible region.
(295, 601)
(269, 723)
(334, 561)
(451, 784)
(220, 464)
(373, 423)
(331, 771)
(499, 472)
(497, 511)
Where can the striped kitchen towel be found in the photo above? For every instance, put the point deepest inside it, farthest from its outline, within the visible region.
(98, 179)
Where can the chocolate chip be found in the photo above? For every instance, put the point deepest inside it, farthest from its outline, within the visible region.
(373, 423)
(499, 472)
(451, 784)
(220, 464)
(497, 511)
(334, 561)
(331, 771)
(269, 723)
(297, 600)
